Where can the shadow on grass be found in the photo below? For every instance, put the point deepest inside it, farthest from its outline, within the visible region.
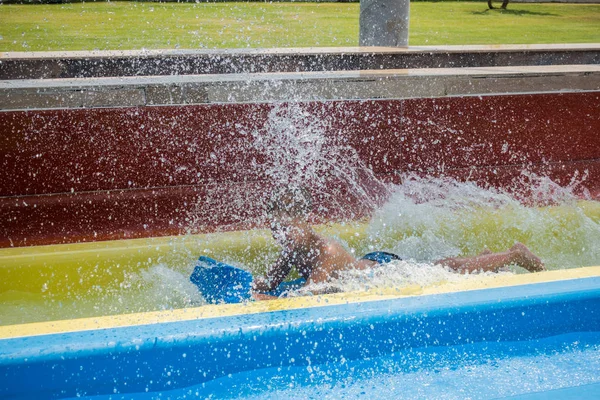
(513, 12)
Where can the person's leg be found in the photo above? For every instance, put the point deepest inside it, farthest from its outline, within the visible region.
(485, 251)
(487, 261)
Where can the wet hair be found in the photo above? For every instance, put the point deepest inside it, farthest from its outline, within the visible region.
(294, 201)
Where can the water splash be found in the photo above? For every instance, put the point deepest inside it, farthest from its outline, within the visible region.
(424, 220)
(168, 289)
(432, 218)
(303, 151)
(397, 275)
(427, 219)
(295, 146)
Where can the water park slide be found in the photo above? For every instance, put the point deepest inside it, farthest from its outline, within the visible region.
(142, 172)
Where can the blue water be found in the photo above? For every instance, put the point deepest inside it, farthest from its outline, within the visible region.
(564, 366)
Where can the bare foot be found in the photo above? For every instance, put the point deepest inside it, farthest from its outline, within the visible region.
(526, 259)
(485, 252)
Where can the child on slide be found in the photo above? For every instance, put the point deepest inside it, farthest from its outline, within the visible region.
(319, 259)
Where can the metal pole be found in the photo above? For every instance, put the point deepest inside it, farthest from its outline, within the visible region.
(384, 23)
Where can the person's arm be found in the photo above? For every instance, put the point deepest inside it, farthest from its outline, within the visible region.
(329, 289)
(276, 273)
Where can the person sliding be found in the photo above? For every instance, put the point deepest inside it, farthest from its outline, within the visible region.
(319, 259)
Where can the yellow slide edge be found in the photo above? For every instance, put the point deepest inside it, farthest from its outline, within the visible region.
(225, 310)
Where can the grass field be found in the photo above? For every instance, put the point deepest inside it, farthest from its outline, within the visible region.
(130, 25)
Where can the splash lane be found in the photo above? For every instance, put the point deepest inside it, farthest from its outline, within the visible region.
(147, 274)
(231, 350)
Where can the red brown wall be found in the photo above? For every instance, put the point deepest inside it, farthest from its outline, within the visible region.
(96, 174)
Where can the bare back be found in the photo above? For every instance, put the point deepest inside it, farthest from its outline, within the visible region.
(323, 258)
(316, 258)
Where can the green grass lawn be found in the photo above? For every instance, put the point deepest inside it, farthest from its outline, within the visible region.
(130, 25)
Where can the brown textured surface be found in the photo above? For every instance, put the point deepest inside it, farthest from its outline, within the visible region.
(96, 174)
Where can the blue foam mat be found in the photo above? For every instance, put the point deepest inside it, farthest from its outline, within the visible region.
(223, 283)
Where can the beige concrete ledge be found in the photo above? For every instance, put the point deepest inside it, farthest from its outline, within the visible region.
(303, 86)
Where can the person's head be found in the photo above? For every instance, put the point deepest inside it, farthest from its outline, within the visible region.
(288, 208)
(291, 202)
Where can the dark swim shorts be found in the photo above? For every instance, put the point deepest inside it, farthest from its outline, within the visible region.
(381, 257)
